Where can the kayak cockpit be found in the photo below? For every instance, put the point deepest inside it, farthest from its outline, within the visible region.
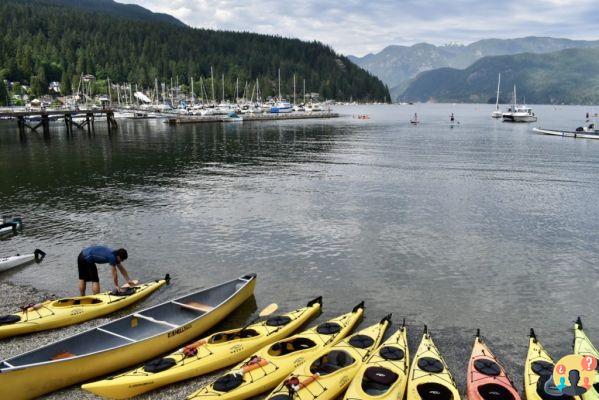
(434, 391)
(378, 380)
(332, 362)
(289, 346)
(82, 301)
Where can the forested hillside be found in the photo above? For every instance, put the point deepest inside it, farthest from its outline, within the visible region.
(569, 76)
(43, 41)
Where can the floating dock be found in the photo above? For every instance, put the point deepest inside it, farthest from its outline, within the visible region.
(193, 119)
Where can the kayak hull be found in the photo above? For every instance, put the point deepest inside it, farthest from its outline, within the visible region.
(31, 380)
(422, 380)
(53, 314)
(7, 263)
(584, 346)
(495, 380)
(390, 360)
(210, 357)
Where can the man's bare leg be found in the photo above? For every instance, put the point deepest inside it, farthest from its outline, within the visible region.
(81, 287)
(95, 287)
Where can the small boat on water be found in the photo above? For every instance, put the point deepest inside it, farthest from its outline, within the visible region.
(122, 343)
(56, 313)
(589, 132)
(518, 112)
(10, 225)
(281, 106)
(414, 120)
(7, 263)
(497, 113)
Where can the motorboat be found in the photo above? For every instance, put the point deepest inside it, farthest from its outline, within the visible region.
(518, 112)
(281, 106)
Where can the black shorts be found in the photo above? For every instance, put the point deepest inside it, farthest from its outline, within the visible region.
(88, 271)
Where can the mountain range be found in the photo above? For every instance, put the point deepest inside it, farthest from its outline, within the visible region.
(397, 65)
(568, 76)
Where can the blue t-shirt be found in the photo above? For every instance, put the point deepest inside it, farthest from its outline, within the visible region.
(99, 255)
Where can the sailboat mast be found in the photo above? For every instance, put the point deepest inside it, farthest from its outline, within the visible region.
(192, 94)
(223, 84)
(212, 79)
(497, 99)
(293, 89)
(279, 84)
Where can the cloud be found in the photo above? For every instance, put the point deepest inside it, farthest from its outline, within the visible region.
(358, 27)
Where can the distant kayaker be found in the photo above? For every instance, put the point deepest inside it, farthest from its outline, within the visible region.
(88, 272)
(452, 118)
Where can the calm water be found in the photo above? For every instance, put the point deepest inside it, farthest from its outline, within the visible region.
(482, 225)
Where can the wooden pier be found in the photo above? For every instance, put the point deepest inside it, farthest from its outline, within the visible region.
(193, 119)
(36, 119)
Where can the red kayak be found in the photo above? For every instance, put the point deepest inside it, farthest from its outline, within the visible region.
(487, 379)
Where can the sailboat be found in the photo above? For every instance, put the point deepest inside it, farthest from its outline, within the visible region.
(497, 113)
(281, 105)
(414, 120)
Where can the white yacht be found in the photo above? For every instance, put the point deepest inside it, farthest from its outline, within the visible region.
(519, 113)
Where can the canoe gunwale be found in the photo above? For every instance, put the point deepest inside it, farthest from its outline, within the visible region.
(246, 279)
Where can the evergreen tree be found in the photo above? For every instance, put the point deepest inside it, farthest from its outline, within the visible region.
(4, 101)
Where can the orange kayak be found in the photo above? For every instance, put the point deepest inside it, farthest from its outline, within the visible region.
(487, 379)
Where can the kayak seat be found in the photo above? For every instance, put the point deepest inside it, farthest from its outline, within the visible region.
(430, 364)
(378, 381)
(487, 367)
(542, 368)
(492, 391)
(392, 353)
(361, 341)
(279, 320)
(434, 391)
(331, 362)
(288, 347)
(159, 364)
(227, 382)
(9, 319)
(328, 328)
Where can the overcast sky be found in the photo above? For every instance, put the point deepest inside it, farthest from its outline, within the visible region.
(362, 26)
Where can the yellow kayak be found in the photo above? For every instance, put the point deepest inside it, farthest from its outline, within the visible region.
(121, 343)
(73, 310)
(583, 346)
(538, 371)
(328, 375)
(384, 376)
(216, 351)
(269, 366)
(429, 376)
